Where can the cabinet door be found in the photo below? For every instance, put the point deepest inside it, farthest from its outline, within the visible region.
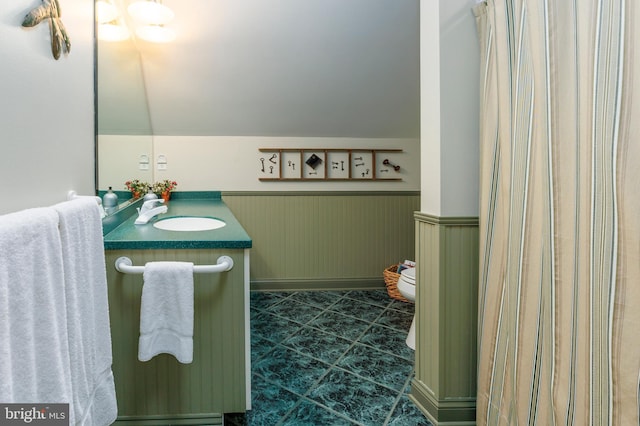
(215, 382)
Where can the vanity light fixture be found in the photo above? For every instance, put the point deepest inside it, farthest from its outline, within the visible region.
(110, 27)
(156, 33)
(151, 12)
(113, 31)
(150, 17)
(106, 11)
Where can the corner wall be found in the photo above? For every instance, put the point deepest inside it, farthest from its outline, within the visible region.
(444, 387)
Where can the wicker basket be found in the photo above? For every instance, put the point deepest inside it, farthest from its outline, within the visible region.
(391, 278)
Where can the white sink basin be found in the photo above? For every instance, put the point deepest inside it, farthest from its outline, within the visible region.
(189, 223)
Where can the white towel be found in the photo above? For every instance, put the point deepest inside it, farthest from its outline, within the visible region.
(34, 352)
(166, 311)
(87, 312)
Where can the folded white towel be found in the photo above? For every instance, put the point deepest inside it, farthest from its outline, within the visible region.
(87, 312)
(166, 311)
(34, 351)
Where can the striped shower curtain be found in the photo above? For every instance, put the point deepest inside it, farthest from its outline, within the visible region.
(559, 296)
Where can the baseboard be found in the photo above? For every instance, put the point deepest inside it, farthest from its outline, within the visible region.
(314, 285)
(158, 420)
(459, 412)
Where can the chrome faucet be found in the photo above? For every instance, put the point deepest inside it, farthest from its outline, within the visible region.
(149, 211)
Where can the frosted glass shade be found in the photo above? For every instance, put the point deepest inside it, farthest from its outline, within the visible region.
(112, 32)
(105, 12)
(156, 34)
(150, 12)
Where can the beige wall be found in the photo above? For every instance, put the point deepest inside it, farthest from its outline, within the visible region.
(228, 163)
(46, 108)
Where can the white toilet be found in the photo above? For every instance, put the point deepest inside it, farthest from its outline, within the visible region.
(407, 287)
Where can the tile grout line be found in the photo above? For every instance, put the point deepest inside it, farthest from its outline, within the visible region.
(399, 397)
(327, 371)
(333, 366)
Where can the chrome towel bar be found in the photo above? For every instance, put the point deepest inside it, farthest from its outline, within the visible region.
(225, 263)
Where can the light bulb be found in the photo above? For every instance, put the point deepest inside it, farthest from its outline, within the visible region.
(150, 12)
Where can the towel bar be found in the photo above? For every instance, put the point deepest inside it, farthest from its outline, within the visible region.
(225, 263)
(72, 195)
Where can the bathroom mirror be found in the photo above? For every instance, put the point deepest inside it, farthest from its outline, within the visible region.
(260, 72)
(122, 127)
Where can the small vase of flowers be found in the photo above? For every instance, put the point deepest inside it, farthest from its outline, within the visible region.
(163, 188)
(137, 187)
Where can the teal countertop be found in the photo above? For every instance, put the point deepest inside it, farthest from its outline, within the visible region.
(127, 235)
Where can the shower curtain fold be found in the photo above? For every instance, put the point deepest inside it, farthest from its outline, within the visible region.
(559, 212)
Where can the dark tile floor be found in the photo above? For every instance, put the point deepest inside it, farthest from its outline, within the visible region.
(330, 358)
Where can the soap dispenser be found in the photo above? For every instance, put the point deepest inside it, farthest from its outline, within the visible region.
(149, 195)
(110, 200)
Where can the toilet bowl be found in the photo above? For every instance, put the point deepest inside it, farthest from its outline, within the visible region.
(407, 287)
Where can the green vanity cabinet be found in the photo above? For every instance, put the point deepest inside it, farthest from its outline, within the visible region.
(163, 391)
